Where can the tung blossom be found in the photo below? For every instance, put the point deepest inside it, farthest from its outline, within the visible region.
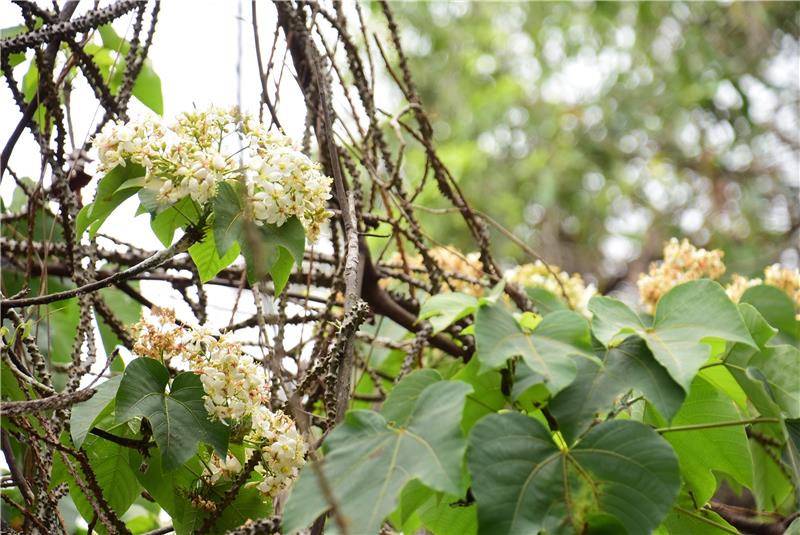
(192, 155)
(236, 392)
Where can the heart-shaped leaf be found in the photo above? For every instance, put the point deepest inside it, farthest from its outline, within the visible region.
(524, 483)
(723, 449)
(369, 460)
(686, 318)
(178, 419)
(628, 366)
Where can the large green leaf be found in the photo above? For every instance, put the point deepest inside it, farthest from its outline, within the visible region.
(147, 86)
(548, 350)
(171, 488)
(85, 414)
(772, 483)
(267, 249)
(687, 318)
(525, 484)
(441, 517)
(768, 375)
(722, 449)
(777, 308)
(249, 504)
(206, 257)
(443, 309)
(369, 461)
(400, 403)
(178, 419)
(629, 366)
(487, 393)
(274, 250)
(110, 194)
(777, 370)
(545, 300)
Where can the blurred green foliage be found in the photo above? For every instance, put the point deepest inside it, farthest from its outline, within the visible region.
(597, 131)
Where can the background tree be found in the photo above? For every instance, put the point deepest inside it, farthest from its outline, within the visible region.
(596, 130)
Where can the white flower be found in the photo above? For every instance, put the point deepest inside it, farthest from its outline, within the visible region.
(191, 156)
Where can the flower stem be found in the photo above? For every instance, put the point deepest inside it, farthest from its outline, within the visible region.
(714, 425)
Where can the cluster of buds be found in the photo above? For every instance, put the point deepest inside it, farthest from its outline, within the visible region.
(462, 269)
(738, 285)
(683, 262)
(784, 278)
(190, 157)
(571, 288)
(236, 391)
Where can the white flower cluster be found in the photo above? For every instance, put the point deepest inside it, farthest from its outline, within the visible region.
(683, 262)
(235, 386)
(569, 287)
(236, 391)
(283, 450)
(190, 157)
(783, 278)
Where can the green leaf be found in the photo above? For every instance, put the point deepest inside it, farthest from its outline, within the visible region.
(111, 467)
(547, 351)
(771, 486)
(110, 194)
(686, 318)
(147, 87)
(166, 220)
(441, 517)
(400, 402)
(629, 366)
(249, 504)
(486, 397)
(178, 419)
(290, 236)
(525, 484)
(169, 488)
(545, 301)
(442, 310)
(228, 215)
(369, 461)
(768, 374)
(685, 518)
(791, 429)
(777, 370)
(281, 270)
(723, 449)
(205, 256)
(267, 248)
(274, 250)
(85, 414)
(776, 307)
